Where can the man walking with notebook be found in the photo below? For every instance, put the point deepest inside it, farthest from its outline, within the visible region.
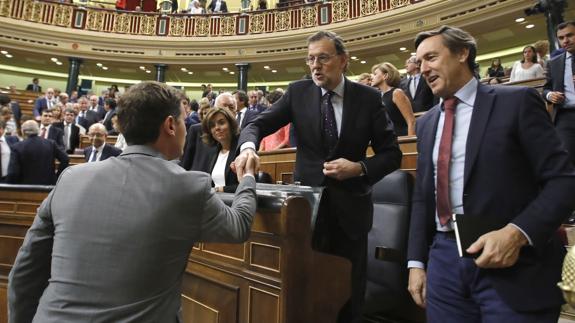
(489, 152)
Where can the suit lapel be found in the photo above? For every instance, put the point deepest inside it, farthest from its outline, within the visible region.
(561, 63)
(310, 106)
(428, 141)
(348, 116)
(481, 112)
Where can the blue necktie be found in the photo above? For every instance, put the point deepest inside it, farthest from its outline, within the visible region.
(329, 125)
(94, 155)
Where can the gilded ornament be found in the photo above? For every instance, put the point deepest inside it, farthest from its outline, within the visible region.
(148, 25)
(177, 26)
(309, 16)
(340, 10)
(228, 26)
(283, 19)
(368, 7)
(202, 26)
(257, 24)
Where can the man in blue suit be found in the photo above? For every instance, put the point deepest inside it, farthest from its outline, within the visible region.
(43, 103)
(32, 160)
(499, 158)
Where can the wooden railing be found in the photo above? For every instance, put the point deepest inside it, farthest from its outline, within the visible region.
(183, 25)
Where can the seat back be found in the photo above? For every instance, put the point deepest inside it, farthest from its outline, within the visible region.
(386, 290)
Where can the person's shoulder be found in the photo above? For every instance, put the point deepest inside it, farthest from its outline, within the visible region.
(299, 84)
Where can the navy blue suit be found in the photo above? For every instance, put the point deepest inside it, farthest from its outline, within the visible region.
(107, 152)
(32, 162)
(515, 168)
(40, 105)
(250, 116)
(88, 119)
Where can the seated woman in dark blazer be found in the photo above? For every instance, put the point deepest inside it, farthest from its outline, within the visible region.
(219, 130)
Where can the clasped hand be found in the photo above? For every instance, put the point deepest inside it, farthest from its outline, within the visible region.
(248, 162)
(341, 169)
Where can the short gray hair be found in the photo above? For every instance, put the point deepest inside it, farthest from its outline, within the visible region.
(30, 128)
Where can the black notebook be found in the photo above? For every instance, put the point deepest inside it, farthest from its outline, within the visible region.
(468, 228)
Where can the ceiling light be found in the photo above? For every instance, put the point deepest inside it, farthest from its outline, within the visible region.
(99, 64)
(232, 72)
(266, 67)
(59, 63)
(520, 19)
(190, 72)
(9, 56)
(274, 71)
(183, 69)
(412, 53)
(530, 26)
(363, 62)
(354, 57)
(3, 52)
(54, 59)
(224, 69)
(148, 71)
(402, 48)
(142, 68)
(105, 68)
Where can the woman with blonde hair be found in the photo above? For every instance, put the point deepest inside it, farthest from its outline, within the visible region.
(386, 78)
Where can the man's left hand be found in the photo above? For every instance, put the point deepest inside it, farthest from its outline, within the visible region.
(500, 248)
(341, 169)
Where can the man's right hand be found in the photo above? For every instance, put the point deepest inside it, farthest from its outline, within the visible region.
(416, 287)
(556, 97)
(246, 162)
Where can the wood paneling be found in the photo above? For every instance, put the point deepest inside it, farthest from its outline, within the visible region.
(260, 299)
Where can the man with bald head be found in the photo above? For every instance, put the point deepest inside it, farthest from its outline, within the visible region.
(96, 107)
(32, 160)
(99, 149)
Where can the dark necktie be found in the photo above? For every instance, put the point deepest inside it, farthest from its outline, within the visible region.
(443, 160)
(239, 118)
(573, 64)
(94, 155)
(43, 133)
(329, 125)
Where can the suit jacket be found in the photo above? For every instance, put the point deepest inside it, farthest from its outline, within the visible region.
(223, 7)
(100, 112)
(92, 240)
(30, 87)
(16, 111)
(107, 120)
(201, 157)
(424, 98)
(40, 105)
(364, 120)
(32, 162)
(11, 140)
(516, 168)
(89, 119)
(107, 152)
(249, 117)
(57, 135)
(555, 78)
(74, 136)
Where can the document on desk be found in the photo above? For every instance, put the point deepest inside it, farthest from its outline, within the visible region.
(468, 228)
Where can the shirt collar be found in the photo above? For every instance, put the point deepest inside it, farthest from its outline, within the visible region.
(339, 89)
(142, 150)
(99, 149)
(243, 110)
(568, 55)
(467, 93)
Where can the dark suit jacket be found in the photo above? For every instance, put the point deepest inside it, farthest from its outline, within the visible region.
(30, 87)
(11, 140)
(555, 78)
(16, 111)
(89, 119)
(516, 168)
(223, 7)
(32, 162)
(424, 98)
(40, 105)
(74, 136)
(200, 157)
(100, 112)
(57, 135)
(249, 117)
(364, 120)
(107, 152)
(107, 121)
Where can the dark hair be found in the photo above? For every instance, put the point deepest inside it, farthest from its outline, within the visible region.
(242, 96)
(455, 40)
(496, 59)
(111, 103)
(564, 25)
(4, 99)
(194, 106)
(533, 59)
(274, 96)
(207, 137)
(143, 108)
(335, 39)
(2, 124)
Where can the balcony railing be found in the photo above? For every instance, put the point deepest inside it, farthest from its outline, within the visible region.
(184, 25)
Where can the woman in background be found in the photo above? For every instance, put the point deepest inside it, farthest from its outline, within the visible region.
(219, 130)
(495, 70)
(527, 68)
(280, 138)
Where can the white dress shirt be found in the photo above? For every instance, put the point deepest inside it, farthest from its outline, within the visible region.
(98, 152)
(5, 155)
(219, 171)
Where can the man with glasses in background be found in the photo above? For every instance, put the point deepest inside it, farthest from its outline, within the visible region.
(335, 119)
(99, 149)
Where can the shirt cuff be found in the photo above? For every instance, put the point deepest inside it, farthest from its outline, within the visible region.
(247, 145)
(415, 264)
(548, 96)
(523, 232)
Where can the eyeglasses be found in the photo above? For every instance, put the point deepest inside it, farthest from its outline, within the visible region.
(322, 59)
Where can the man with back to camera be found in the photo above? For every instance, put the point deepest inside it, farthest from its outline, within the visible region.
(120, 247)
(559, 88)
(489, 152)
(335, 120)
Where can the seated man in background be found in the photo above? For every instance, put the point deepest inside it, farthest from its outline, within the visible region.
(71, 131)
(32, 160)
(99, 149)
(121, 257)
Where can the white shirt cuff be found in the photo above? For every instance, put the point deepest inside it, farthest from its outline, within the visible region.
(415, 264)
(247, 145)
(525, 234)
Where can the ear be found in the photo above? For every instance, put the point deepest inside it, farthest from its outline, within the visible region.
(463, 55)
(169, 126)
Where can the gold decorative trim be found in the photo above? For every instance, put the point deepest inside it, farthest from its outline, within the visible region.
(309, 17)
(398, 3)
(202, 26)
(122, 24)
(177, 26)
(257, 24)
(368, 7)
(340, 10)
(228, 25)
(148, 25)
